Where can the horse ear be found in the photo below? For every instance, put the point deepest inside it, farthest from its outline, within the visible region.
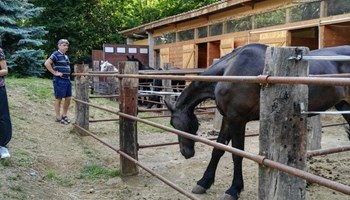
(132, 57)
(169, 105)
(127, 57)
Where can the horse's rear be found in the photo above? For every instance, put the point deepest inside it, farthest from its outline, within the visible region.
(239, 102)
(322, 98)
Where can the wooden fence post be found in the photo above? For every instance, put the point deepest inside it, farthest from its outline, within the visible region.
(82, 93)
(314, 135)
(112, 83)
(282, 128)
(217, 117)
(167, 85)
(96, 79)
(128, 128)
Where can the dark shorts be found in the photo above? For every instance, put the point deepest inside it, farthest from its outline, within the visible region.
(5, 121)
(62, 88)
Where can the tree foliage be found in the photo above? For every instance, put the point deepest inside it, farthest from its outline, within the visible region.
(21, 40)
(88, 24)
(139, 12)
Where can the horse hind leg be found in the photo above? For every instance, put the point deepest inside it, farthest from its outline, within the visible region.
(345, 106)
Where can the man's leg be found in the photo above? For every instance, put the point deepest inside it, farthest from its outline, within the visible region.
(66, 106)
(58, 108)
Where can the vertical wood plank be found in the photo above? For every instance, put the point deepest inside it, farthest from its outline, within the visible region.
(128, 128)
(82, 93)
(96, 79)
(167, 85)
(282, 128)
(314, 135)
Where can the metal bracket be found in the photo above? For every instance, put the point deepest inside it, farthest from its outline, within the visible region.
(298, 55)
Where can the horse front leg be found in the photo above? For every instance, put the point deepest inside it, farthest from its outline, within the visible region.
(209, 175)
(238, 137)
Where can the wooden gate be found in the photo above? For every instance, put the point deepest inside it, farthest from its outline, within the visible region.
(226, 46)
(164, 56)
(277, 38)
(188, 56)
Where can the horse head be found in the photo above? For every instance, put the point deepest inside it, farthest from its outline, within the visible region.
(187, 122)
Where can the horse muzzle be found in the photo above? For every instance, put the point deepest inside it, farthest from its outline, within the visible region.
(187, 153)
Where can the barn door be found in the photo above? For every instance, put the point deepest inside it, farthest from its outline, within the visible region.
(164, 57)
(277, 38)
(226, 46)
(188, 56)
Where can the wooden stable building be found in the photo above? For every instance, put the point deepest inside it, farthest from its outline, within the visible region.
(194, 39)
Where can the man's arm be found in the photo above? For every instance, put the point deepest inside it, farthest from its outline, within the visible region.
(48, 64)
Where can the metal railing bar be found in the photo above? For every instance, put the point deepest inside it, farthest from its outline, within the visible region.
(256, 158)
(161, 178)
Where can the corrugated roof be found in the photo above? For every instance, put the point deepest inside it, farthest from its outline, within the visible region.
(203, 11)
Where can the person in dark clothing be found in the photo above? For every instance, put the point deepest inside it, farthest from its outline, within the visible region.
(5, 120)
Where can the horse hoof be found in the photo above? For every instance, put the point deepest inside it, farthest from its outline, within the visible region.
(199, 190)
(228, 197)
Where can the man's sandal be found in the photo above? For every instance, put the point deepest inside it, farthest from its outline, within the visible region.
(62, 121)
(65, 118)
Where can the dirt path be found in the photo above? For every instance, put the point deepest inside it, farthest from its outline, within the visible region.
(48, 158)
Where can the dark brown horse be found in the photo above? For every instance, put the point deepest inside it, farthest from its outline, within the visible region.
(239, 104)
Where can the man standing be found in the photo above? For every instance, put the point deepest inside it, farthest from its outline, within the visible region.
(5, 121)
(58, 64)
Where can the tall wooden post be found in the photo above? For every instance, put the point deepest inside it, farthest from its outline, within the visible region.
(282, 128)
(217, 117)
(82, 93)
(128, 128)
(314, 135)
(167, 85)
(96, 79)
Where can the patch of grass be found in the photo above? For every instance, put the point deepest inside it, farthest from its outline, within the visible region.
(12, 178)
(17, 188)
(105, 102)
(24, 158)
(65, 182)
(51, 175)
(148, 129)
(5, 162)
(35, 87)
(96, 171)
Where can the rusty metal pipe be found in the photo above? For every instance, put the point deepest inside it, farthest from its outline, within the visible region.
(104, 96)
(321, 152)
(161, 178)
(256, 158)
(103, 120)
(262, 79)
(344, 75)
(331, 125)
(174, 143)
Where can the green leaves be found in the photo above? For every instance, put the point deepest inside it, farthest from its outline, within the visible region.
(19, 38)
(86, 24)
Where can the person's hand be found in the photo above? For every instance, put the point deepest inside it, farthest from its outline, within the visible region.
(58, 74)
